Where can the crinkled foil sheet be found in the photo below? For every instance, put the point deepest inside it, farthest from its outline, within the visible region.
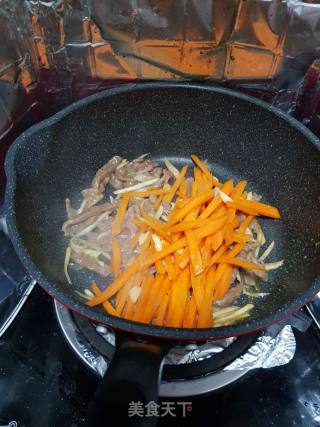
(275, 347)
(54, 52)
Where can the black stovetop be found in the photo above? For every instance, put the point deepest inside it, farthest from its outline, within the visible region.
(42, 383)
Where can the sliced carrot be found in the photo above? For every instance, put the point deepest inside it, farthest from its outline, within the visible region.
(251, 206)
(159, 319)
(118, 221)
(114, 287)
(164, 289)
(146, 244)
(218, 212)
(116, 257)
(188, 225)
(210, 228)
(143, 297)
(217, 201)
(197, 287)
(148, 309)
(238, 190)
(173, 247)
(135, 240)
(183, 188)
(241, 263)
(169, 196)
(178, 300)
(241, 237)
(189, 319)
(183, 258)
(194, 251)
(215, 257)
(158, 202)
(160, 268)
(123, 295)
(223, 284)
(206, 251)
(128, 310)
(142, 225)
(216, 240)
(245, 224)
(155, 225)
(205, 170)
(205, 312)
(106, 305)
(170, 267)
(192, 204)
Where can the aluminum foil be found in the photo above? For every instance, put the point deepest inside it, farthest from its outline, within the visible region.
(267, 352)
(54, 52)
(274, 348)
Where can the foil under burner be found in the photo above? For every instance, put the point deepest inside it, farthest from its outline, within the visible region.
(190, 369)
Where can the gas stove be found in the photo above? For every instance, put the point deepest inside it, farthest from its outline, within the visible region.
(51, 361)
(45, 382)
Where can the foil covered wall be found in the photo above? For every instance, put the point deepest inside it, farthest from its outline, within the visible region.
(53, 52)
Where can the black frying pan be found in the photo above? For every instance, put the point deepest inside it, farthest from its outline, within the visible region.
(241, 137)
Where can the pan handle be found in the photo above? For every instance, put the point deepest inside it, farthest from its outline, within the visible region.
(130, 383)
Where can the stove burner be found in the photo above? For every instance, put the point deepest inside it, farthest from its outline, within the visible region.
(178, 380)
(212, 364)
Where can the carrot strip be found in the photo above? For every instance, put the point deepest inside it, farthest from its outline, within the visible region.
(194, 251)
(183, 188)
(217, 201)
(160, 268)
(143, 297)
(238, 190)
(159, 201)
(250, 206)
(159, 319)
(218, 213)
(192, 204)
(216, 240)
(123, 294)
(106, 305)
(169, 196)
(241, 237)
(205, 312)
(198, 292)
(188, 225)
(241, 263)
(206, 251)
(146, 243)
(155, 225)
(117, 284)
(211, 228)
(170, 268)
(223, 284)
(182, 259)
(245, 224)
(164, 289)
(205, 170)
(128, 310)
(178, 300)
(140, 224)
(118, 221)
(148, 309)
(189, 320)
(135, 240)
(218, 255)
(166, 251)
(116, 257)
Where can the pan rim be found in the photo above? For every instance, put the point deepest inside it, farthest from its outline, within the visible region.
(120, 323)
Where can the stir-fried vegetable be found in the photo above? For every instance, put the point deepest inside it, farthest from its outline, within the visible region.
(181, 248)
